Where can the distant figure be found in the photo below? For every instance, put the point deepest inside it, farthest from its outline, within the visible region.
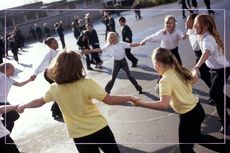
(59, 29)
(208, 3)
(38, 32)
(33, 33)
(137, 6)
(46, 30)
(127, 35)
(76, 30)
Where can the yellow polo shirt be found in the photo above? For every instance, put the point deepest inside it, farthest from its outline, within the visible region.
(182, 98)
(81, 116)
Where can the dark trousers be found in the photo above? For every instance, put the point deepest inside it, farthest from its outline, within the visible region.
(103, 139)
(95, 56)
(204, 70)
(130, 56)
(190, 132)
(219, 78)
(9, 118)
(175, 52)
(7, 145)
(122, 64)
(87, 60)
(62, 39)
(208, 3)
(189, 128)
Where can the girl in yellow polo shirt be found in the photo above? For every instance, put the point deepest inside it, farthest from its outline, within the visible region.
(175, 90)
(74, 94)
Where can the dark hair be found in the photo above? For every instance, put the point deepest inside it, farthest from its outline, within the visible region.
(122, 19)
(192, 16)
(48, 41)
(167, 58)
(66, 68)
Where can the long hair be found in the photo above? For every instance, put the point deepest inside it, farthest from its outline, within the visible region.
(66, 68)
(208, 21)
(167, 18)
(167, 58)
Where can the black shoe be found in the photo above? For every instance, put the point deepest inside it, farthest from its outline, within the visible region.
(134, 64)
(140, 90)
(89, 68)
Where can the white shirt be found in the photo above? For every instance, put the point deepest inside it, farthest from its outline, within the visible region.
(216, 60)
(117, 51)
(5, 85)
(3, 131)
(193, 40)
(168, 41)
(49, 56)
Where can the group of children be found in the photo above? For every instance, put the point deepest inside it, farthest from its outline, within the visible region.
(85, 124)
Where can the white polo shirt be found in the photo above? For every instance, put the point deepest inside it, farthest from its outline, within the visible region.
(168, 41)
(217, 59)
(5, 85)
(117, 51)
(193, 40)
(47, 59)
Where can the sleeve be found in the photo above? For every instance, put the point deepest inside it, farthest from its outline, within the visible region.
(43, 65)
(95, 90)
(165, 88)
(48, 95)
(125, 44)
(154, 37)
(208, 44)
(180, 34)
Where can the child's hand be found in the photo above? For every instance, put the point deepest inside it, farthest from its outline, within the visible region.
(135, 101)
(20, 108)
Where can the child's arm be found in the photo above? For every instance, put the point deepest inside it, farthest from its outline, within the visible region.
(116, 100)
(161, 104)
(135, 44)
(33, 104)
(7, 108)
(19, 84)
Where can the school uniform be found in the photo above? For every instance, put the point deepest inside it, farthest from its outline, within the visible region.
(5, 138)
(168, 41)
(204, 70)
(117, 51)
(127, 37)
(5, 86)
(47, 59)
(220, 71)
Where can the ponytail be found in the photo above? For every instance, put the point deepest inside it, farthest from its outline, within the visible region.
(167, 58)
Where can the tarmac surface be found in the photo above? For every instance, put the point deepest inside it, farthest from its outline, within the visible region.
(137, 130)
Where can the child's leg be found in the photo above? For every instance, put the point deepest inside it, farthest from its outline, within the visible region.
(116, 69)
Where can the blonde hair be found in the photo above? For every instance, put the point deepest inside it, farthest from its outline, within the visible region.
(170, 17)
(110, 34)
(167, 58)
(208, 21)
(66, 68)
(5, 66)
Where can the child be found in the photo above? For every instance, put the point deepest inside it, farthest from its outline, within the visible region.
(83, 44)
(169, 37)
(212, 48)
(175, 90)
(5, 134)
(117, 50)
(127, 37)
(74, 93)
(204, 70)
(6, 81)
